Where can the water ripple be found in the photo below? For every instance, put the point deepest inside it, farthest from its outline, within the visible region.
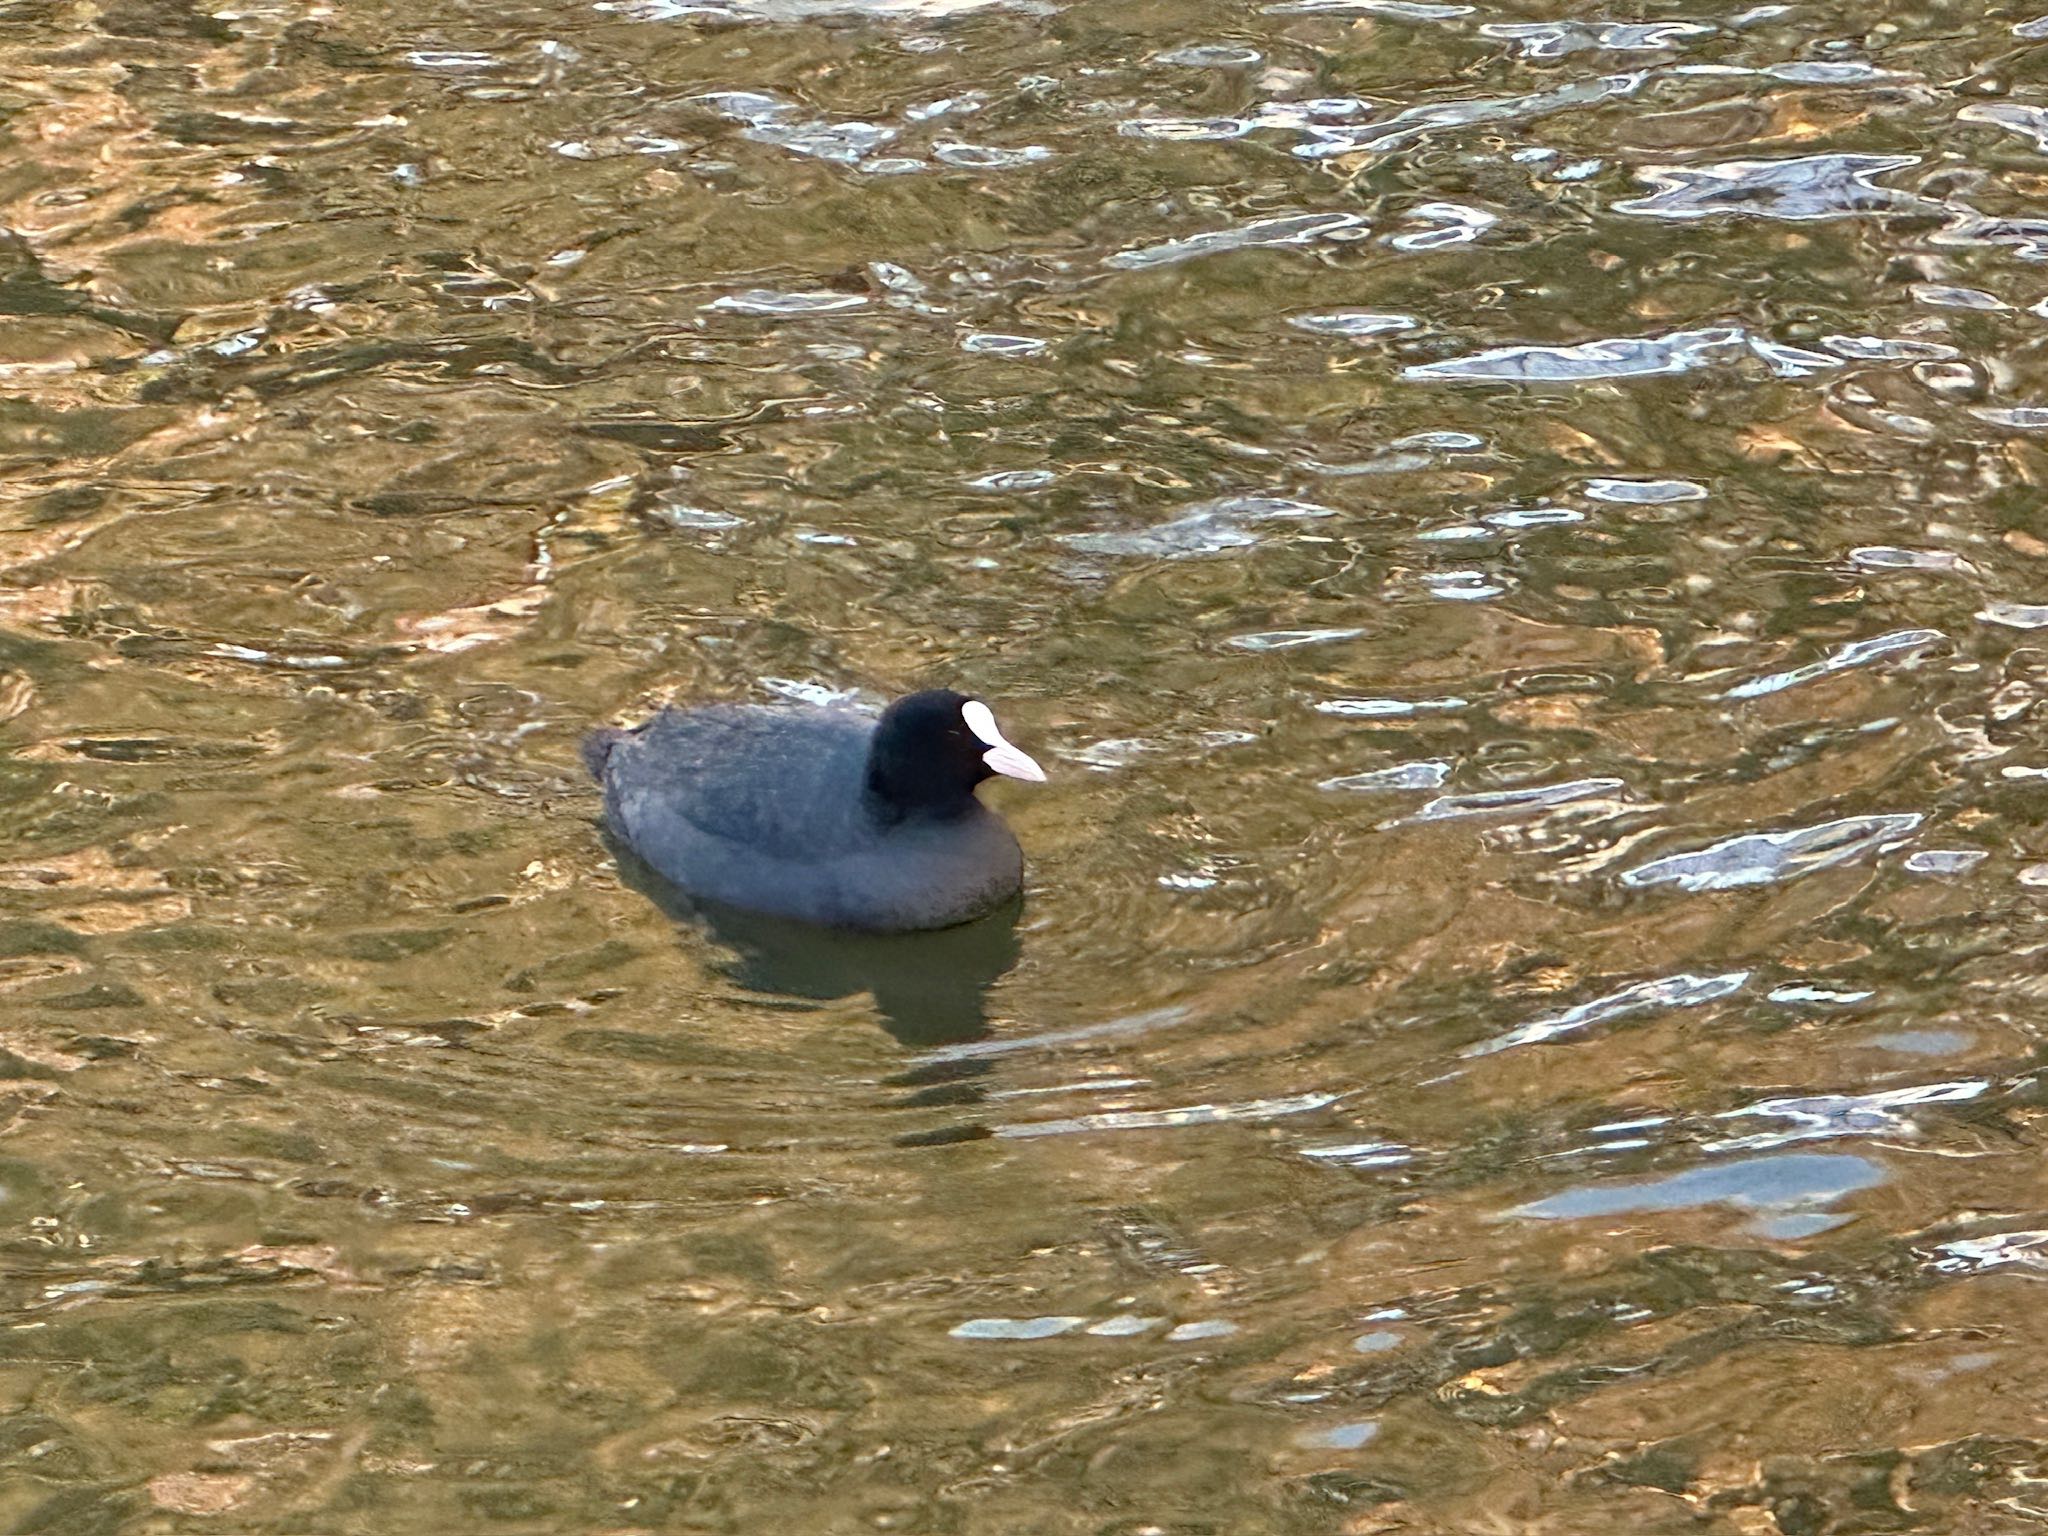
(2012, 116)
(1975, 1255)
(796, 11)
(2016, 615)
(1357, 323)
(2024, 418)
(1646, 492)
(1249, 1111)
(1415, 124)
(1946, 296)
(1291, 639)
(1888, 557)
(1016, 1329)
(1051, 1039)
(1784, 1181)
(1455, 224)
(1210, 56)
(1535, 517)
(1428, 774)
(1500, 802)
(1185, 129)
(1820, 1116)
(1635, 999)
(1010, 481)
(1398, 10)
(1206, 528)
(1944, 861)
(1763, 858)
(1882, 349)
(779, 305)
(1389, 709)
(988, 157)
(1004, 346)
(2027, 237)
(1278, 230)
(1860, 653)
(772, 119)
(1555, 39)
(1839, 72)
(1829, 186)
(1611, 358)
(1362, 1154)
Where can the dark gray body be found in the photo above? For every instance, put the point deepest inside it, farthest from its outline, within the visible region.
(768, 810)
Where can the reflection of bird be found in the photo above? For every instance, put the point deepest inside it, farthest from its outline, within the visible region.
(821, 815)
(930, 988)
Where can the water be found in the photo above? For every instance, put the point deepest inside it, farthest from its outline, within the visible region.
(1516, 528)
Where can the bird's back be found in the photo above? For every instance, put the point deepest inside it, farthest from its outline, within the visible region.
(786, 783)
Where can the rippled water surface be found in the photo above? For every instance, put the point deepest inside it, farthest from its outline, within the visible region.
(1516, 528)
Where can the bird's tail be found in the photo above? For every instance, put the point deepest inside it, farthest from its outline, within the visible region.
(597, 749)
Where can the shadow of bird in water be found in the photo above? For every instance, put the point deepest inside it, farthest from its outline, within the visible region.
(931, 989)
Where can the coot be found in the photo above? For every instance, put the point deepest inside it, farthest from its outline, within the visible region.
(822, 815)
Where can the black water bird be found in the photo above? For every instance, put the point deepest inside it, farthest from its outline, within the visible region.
(823, 815)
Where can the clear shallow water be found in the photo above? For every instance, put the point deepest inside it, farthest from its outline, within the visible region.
(1518, 531)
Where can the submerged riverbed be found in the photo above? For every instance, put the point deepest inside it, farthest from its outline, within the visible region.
(1515, 530)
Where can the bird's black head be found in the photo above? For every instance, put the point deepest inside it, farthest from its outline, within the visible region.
(931, 749)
